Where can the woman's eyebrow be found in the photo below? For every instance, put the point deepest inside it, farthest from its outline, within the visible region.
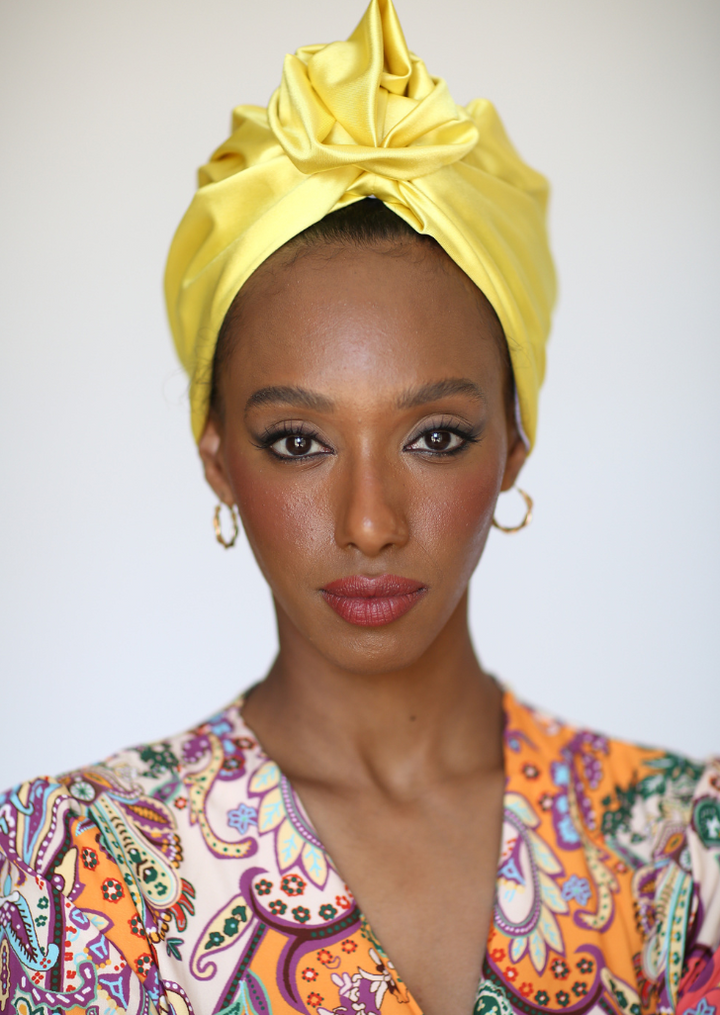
(440, 389)
(285, 395)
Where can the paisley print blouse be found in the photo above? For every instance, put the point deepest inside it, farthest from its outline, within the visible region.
(185, 877)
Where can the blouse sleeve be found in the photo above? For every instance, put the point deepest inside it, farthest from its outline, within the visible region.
(699, 989)
(70, 935)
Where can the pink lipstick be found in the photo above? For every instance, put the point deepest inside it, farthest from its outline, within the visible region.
(371, 602)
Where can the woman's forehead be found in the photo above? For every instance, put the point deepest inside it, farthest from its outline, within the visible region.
(395, 313)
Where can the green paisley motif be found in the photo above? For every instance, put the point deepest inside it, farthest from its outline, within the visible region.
(669, 772)
(149, 873)
(491, 1000)
(706, 819)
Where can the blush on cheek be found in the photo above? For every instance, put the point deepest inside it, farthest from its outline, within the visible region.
(285, 526)
(456, 523)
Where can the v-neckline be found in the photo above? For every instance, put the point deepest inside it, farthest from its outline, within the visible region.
(506, 706)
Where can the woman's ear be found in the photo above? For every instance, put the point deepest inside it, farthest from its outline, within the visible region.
(515, 460)
(210, 447)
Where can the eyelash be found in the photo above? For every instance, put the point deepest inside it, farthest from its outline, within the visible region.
(266, 440)
(468, 436)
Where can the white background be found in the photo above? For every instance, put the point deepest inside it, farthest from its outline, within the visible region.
(120, 617)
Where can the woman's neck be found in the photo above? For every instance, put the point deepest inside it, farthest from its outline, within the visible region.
(399, 731)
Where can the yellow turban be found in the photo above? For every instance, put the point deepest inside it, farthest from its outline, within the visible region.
(349, 120)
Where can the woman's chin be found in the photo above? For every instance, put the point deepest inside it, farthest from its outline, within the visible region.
(375, 657)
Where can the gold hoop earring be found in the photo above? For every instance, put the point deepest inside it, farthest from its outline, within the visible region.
(528, 514)
(227, 543)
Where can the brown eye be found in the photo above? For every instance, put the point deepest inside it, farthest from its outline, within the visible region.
(439, 440)
(297, 445)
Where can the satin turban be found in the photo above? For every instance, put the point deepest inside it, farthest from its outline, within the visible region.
(350, 120)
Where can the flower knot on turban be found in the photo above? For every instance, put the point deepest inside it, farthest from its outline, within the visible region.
(350, 120)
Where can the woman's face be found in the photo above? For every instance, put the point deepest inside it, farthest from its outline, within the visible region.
(364, 438)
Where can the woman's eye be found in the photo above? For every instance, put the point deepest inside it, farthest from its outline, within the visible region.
(297, 445)
(438, 441)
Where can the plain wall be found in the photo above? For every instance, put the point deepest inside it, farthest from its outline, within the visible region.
(121, 619)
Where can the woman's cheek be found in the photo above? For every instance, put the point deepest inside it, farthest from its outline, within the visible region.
(284, 522)
(454, 518)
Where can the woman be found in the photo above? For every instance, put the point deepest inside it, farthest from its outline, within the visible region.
(361, 293)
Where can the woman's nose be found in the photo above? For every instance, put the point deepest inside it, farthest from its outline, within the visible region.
(371, 516)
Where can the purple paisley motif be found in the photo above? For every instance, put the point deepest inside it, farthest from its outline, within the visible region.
(201, 963)
(81, 997)
(4, 970)
(34, 851)
(587, 748)
(18, 928)
(301, 938)
(118, 985)
(198, 745)
(566, 833)
(168, 790)
(644, 883)
(581, 763)
(171, 985)
(363, 992)
(99, 948)
(365, 1001)
(195, 747)
(151, 984)
(514, 871)
(307, 939)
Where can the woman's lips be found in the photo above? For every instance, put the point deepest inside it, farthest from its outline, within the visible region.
(371, 602)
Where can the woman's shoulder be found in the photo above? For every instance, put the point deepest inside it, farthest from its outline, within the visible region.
(630, 835)
(34, 811)
(618, 789)
(90, 870)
